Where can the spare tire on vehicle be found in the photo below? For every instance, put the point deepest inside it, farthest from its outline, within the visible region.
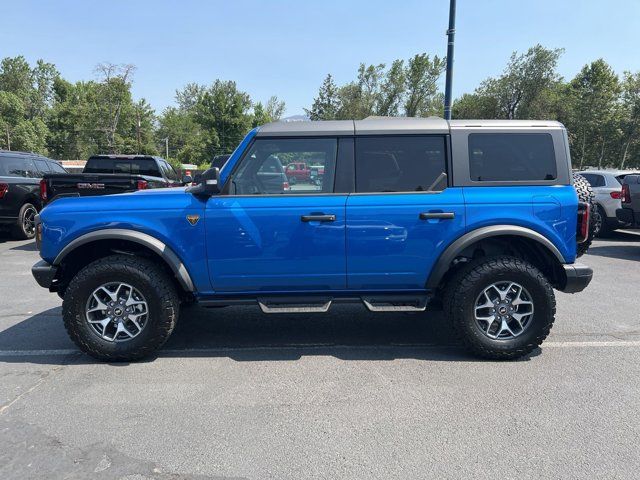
(585, 194)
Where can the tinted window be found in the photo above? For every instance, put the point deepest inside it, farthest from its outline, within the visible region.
(169, 172)
(400, 164)
(138, 166)
(42, 165)
(593, 179)
(511, 157)
(56, 167)
(262, 169)
(18, 167)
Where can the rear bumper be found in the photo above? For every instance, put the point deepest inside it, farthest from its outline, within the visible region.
(578, 276)
(44, 273)
(628, 217)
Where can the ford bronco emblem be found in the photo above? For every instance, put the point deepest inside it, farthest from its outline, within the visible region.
(193, 219)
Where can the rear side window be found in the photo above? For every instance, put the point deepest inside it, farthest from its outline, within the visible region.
(511, 157)
(56, 167)
(400, 164)
(18, 167)
(593, 179)
(42, 165)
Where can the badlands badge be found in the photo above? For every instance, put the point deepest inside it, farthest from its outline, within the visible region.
(193, 219)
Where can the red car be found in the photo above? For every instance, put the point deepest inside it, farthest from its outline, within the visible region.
(298, 172)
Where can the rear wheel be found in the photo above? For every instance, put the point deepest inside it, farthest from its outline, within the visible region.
(120, 308)
(601, 228)
(501, 308)
(25, 227)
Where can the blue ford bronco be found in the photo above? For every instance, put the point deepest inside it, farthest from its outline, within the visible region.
(480, 216)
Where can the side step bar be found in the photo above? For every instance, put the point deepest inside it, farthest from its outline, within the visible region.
(275, 305)
(396, 303)
(375, 303)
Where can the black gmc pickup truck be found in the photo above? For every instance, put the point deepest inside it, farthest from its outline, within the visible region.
(109, 174)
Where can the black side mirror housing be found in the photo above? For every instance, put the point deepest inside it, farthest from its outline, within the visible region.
(209, 183)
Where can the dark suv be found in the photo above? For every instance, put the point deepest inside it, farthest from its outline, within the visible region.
(20, 174)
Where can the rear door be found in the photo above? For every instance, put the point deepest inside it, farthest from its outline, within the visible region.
(263, 236)
(402, 214)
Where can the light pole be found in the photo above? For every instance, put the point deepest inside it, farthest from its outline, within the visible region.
(449, 78)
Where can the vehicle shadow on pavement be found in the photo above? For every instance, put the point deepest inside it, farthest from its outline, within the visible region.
(26, 247)
(622, 252)
(245, 334)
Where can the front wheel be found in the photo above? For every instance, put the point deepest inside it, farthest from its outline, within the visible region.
(120, 308)
(501, 308)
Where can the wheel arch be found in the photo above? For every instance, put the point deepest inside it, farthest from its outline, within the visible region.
(539, 250)
(114, 240)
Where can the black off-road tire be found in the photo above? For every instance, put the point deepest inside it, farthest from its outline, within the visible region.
(467, 284)
(19, 231)
(585, 194)
(149, 279)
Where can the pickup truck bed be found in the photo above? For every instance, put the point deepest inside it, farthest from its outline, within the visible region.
(110, 174)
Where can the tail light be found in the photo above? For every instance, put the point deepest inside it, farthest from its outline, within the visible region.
(43, 190)
(4, 188)
(616, 195)
(142, 185)
(626, 194)
(285, 187)
(584, 218)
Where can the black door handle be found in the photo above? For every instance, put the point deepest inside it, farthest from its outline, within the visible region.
(436, 215)
(318, 218)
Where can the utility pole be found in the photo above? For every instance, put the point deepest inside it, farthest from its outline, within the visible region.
(138, 127)
(450, 39)
(166, 148)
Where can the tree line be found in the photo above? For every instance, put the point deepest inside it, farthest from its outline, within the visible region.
(42, 112)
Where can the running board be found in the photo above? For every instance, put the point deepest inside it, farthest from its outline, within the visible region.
(396, 303)
(293, 305)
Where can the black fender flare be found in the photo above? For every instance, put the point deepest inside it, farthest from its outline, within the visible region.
(453, 250)
(155, 245)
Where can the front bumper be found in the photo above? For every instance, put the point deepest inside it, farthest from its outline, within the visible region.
(44, 273)
(578, 276)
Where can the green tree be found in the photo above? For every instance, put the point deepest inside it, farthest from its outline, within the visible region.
(187, 141)
(593, 94)
(325, 106)
(524, 80)
(421, 79)
(630, 121)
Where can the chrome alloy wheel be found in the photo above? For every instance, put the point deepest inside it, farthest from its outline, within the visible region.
(503, 310)
(29, 221)
(117, 312)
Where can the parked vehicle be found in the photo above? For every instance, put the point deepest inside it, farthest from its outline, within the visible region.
(298, 172)
(629, 212)
(607, 187)
(20, 174)
(109, 174)
(480, 214)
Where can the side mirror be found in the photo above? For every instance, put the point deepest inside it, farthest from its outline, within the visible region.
(186, 179)
(209, 183)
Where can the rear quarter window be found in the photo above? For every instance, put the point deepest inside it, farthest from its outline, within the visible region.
(511, 157)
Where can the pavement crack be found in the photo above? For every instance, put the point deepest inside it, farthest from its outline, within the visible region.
(4, 408)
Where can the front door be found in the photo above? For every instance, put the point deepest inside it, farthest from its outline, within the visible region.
(402, 215)
(268, 236)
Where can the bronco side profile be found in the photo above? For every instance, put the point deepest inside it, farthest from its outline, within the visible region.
(481, 215)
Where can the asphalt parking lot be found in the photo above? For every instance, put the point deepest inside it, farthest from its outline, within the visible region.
(238, 394)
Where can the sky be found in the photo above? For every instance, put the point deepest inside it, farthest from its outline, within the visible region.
(286, 48)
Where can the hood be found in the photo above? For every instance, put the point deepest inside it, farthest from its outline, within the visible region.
(153, 199)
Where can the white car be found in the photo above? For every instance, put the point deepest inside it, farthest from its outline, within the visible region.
(607, 186)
